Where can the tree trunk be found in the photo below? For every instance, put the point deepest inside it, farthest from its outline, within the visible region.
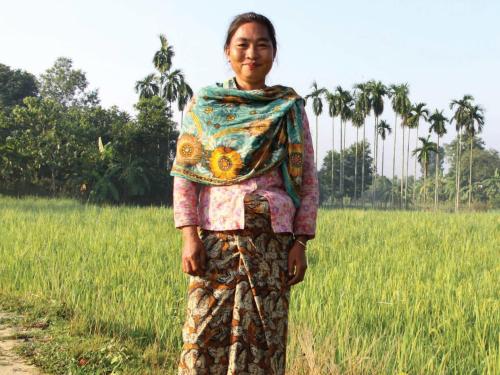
(374, 161)
(436, 181)
(356, 167)
(363, 166)
(168, 143)
(316, 151)
(457, 195)
(456, 169)
(402, 164)
(394, 160)
(340, 167)
(53, 182)
(333, 149)
(415, 167)
(343, 165)
(407, 167)
(425, 179)
(383, 143)
(470, 171)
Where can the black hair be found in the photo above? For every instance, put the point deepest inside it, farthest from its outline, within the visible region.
(243, 18)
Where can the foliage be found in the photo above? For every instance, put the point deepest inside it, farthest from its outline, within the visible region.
(66, 85)
(15, 85)
(325, 173)
(63, 143)
(485, 161)
(432, 163)
(168, 84)
(315, 95)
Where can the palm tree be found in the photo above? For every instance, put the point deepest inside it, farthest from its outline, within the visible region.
(317, 103)
(438, 125)
(363, 101)
(171, 85)
(401, 105)
(423, 154)
(417, 112)
(148, 87)
(162, 59)
(333, 111)
(460, 117)
(358, 120)
(383, 129)
(473, 126)
(377, 92)
(407, 122)
(185, 93)
(345, 111)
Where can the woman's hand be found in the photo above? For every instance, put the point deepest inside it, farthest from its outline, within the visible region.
(193, 252)
(297, 262)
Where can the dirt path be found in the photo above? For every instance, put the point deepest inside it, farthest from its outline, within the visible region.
(10, 362)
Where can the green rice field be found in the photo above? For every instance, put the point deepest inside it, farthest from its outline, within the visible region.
(385, 293)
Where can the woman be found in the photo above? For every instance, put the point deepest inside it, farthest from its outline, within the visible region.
(245, 198)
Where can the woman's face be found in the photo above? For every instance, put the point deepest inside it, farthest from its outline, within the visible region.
(251, 55)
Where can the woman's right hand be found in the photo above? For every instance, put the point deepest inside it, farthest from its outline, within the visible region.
(193, 252)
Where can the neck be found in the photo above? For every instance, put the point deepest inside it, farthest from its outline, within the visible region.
(242, 85)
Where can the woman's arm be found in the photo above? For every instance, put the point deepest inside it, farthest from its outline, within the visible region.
(185, 202)
(186, 218)
(304, 226)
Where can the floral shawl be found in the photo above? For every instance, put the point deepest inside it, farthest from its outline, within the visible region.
(230, 135)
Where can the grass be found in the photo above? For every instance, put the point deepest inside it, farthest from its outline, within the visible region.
(385, 292)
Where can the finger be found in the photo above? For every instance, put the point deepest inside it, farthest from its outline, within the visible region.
(194, 267)
(187, 267)
(300, 272)
(184, 265)
(199, 267)
(294, 280)
(291, 266)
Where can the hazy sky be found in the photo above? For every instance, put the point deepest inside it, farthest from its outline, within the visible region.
(443, 49)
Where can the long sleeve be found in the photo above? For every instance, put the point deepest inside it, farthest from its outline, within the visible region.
(185, 202)
(305, 217)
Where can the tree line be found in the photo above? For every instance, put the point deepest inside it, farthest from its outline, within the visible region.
(473, 176)
(57, 139)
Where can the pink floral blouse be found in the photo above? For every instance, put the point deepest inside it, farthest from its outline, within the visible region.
(222, 207)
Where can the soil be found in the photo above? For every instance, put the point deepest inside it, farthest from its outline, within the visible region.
(10, 362)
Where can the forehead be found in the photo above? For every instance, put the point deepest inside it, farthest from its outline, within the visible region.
(251, 31)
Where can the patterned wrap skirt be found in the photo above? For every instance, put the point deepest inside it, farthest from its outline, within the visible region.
(237, 313)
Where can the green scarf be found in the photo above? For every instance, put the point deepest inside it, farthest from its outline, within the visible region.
(230, 135)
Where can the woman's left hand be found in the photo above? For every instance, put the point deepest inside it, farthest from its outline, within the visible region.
(297, 263)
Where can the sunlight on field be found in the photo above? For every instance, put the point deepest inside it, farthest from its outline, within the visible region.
(385, 292)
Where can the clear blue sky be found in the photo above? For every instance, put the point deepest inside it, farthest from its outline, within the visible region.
(443, 49)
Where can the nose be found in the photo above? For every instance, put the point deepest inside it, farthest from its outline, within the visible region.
(251, 52)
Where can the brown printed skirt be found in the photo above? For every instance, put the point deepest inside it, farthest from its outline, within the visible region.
(237, 313)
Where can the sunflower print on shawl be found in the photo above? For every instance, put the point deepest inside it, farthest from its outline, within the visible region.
(230, 135)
